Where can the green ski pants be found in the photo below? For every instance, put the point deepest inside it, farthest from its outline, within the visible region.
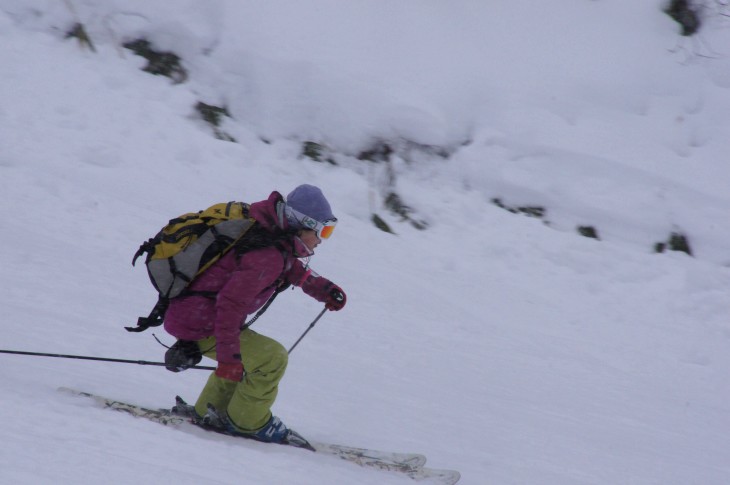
(248, 403)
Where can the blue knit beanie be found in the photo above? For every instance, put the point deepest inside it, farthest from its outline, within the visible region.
(310, 201)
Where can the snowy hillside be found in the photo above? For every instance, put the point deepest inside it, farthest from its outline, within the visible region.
(504, 346)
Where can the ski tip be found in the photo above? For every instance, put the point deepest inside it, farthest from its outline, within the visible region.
(73, 392)
(434, 475)
(295, 439)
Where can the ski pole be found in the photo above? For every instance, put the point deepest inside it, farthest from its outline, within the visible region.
(311, 325)
(103, 359)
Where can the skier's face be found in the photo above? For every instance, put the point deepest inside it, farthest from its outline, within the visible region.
(309, 238)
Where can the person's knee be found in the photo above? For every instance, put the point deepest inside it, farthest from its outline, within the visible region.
(279, 356)
(263, 355)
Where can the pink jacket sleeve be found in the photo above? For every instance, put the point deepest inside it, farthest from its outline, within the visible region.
(317, 287)
(311, 283)
(298, 273)
(247, 290)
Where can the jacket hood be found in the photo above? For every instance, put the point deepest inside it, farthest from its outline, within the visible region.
(270, 213)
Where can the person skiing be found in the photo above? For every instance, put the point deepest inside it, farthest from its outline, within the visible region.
(208, 319)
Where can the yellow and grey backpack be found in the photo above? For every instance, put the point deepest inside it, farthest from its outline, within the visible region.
(187, 246)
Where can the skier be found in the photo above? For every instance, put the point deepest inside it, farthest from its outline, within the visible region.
(207, 320)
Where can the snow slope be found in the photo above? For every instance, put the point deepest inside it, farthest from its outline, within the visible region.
(503, 346)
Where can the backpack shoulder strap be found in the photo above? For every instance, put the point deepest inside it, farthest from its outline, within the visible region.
(154, 319)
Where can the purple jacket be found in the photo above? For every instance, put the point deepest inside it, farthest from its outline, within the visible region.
(243, 285)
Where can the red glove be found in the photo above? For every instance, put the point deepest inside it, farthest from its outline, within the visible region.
(336, 299)
(233, 371)
(322, 289)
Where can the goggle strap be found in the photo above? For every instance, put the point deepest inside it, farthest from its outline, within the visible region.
(321, 228)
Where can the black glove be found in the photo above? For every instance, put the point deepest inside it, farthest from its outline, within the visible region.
(182, 355)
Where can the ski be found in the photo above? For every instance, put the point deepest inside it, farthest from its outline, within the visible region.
(410, 464)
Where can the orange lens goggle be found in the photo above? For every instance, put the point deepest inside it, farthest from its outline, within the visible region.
(323, 229)
(328, 227)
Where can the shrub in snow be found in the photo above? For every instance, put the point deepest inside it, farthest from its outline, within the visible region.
(381, 224)
(532, 211)
(159, 63)
(317, 152)
(396, 205)
(588, 231)
(685, 13)
(676, 242)
(214, 116)
(79, 32)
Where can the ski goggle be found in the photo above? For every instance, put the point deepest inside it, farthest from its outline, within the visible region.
(323, 229)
